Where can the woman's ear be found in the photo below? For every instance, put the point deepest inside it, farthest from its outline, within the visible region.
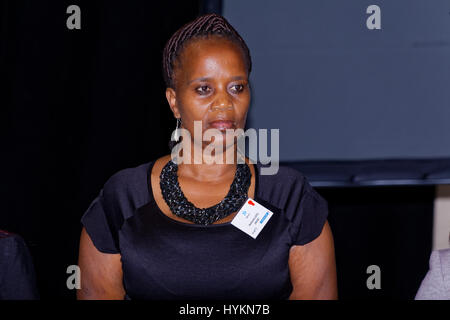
(172, 100)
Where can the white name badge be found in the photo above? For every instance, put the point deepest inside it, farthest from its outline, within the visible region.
(251, 218)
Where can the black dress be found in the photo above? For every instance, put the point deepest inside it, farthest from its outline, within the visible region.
(166, 259)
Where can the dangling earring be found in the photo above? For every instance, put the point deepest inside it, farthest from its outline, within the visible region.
(177, 130)
(175, 135)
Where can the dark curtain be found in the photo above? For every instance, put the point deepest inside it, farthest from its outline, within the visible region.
(390, 227)
(77, 106)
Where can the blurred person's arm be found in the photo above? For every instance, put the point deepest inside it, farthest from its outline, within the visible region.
(101, 273)
(436, 284)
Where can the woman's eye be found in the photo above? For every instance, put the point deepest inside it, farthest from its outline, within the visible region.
(203, 89)
(237, 88)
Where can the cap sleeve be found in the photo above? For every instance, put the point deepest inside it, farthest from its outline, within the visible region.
(102, 221)
(308, 215)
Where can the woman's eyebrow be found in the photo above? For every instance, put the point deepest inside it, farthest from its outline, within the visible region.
(199, 79)
(207, 79)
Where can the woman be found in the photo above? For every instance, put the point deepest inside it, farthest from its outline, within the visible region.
(142, 238)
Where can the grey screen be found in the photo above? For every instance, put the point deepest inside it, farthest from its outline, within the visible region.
(339, 91)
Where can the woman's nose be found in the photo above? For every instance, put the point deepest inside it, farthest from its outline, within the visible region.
(223, 102)
(221, 107)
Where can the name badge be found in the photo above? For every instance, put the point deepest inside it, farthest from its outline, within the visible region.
(252, 218)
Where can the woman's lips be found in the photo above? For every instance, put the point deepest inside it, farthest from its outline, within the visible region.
(222, 124)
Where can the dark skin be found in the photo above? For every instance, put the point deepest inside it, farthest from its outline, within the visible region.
(211, 82)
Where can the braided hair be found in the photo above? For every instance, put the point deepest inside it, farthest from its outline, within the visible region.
(202, 27)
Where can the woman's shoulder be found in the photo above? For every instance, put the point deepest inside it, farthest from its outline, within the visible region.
(290, 191)
(286, 187)
(283, 176)
(128, 176)
(122, 193)
(129, 185)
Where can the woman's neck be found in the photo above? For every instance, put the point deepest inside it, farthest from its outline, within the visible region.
(209, 167)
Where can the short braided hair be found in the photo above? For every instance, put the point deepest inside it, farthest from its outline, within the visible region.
(202, 27)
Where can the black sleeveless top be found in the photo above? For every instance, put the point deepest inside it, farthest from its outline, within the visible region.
(165, 259)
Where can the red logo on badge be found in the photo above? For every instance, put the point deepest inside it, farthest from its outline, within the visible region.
(251, 202)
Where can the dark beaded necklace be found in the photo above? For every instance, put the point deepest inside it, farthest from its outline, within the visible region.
(180, 206)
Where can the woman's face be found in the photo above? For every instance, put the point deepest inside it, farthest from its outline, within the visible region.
(211, 84)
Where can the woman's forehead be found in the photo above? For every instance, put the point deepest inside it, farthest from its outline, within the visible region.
(213, 57)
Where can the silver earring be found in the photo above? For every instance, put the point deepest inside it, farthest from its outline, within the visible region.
(177, 130)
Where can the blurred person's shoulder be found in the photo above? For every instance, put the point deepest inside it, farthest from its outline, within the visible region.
(440, 259)
(436, 283)
(10, 238)
(444, 261)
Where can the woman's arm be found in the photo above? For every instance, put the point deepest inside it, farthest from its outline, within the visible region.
(313, 268)
(101, 273)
